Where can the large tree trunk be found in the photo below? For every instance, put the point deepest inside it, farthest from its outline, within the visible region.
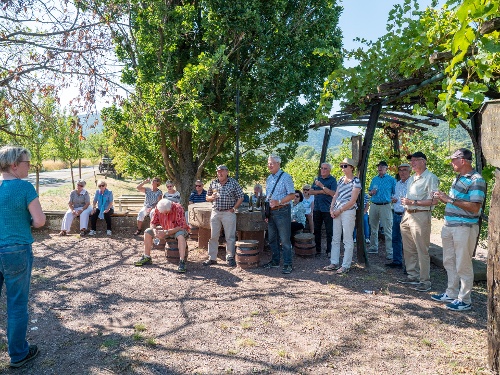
(494, 278)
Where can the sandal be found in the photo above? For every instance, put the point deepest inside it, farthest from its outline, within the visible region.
(137, 232)
(62, 233)
(331, 267)
(342, 270)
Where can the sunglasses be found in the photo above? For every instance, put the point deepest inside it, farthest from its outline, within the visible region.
(169, 186)
(297, 196)
(79, 185)
(102, 185)
(197, 185)
(306, 189)
(344, 166)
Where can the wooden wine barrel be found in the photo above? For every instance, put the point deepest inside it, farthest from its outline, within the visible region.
(172, 251)
(247, 254)
(305, 245)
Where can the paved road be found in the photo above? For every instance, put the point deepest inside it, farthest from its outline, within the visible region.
(53, 179)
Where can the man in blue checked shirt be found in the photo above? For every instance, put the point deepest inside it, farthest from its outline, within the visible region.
(460, 230)
(279, 192)
(382, 189)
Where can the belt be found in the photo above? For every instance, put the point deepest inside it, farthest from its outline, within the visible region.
(399, 213)
(381, 204)
(415, 211)
(278, 207)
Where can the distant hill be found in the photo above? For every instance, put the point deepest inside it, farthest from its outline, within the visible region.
(88, 123)
(315, 138)
(457, 136)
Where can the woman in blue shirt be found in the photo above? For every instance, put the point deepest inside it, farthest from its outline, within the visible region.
(102, 207)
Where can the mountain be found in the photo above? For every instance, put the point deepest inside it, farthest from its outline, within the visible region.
(315, 138)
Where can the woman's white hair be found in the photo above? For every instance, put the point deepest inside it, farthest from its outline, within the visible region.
(164, 205)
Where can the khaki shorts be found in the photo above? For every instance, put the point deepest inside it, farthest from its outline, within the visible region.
(181, 232)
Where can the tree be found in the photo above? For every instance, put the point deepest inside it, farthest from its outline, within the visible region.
(66, 138)
(189, 62)
(32, 123)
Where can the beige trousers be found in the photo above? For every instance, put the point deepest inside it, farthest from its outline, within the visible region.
(458, 247)
(416, 234)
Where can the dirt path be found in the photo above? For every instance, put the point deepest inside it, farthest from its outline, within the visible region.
(93, 312)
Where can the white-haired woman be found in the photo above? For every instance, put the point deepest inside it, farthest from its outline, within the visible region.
(79, 206)
(102, 207)
(343, 212)
(20, 209)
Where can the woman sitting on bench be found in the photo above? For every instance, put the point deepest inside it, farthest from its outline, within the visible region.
(102, 207)
(79, 206)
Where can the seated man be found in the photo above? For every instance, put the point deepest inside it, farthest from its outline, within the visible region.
(199, 194)
(152, 197)
(167, 221)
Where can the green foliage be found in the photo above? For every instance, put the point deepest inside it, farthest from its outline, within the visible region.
(302, 170)
(188, 63)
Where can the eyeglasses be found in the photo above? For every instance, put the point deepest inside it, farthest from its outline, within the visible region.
(169, 186)
(325, 168)
(344, 166)
(102, 185)
(79, 185)
(197, 185)
(306, 189)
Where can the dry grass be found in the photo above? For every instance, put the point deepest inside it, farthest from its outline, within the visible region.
(57, 198)
(55, 165)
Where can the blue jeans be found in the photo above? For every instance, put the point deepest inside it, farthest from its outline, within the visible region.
(279, 230)
(397, 240)
(366, 227)
(15, 270)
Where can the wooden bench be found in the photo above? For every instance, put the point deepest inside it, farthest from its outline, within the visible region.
(126, 201)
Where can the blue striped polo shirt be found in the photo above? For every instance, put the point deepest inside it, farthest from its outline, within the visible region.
(470, 187)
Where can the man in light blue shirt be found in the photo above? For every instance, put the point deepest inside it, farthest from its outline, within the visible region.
(279, 192)
(382, 188)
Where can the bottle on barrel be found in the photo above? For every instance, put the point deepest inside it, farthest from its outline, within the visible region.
(250, 204)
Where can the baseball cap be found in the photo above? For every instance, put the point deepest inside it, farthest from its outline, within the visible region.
(462, 153)
(222, 166)
(383, 163)
(417, 154)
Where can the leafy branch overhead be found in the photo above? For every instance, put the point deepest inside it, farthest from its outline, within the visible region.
(454, 51)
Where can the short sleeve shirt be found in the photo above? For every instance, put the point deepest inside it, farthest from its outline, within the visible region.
(79, 200)
(152, 197)
(173, 219)
(420, 188)
(229, 193)
(280, 187)
(322, 202)
(198, 198)
(344, 192)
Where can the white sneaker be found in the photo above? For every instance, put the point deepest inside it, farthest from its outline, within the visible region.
(108, 232)
(367, 240)
(92, 233)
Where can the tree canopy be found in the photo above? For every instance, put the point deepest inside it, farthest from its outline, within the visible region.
(190, 62)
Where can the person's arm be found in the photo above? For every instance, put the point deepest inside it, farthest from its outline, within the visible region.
(110, 204)
(140, 187)
(37, 215)
(237, 204)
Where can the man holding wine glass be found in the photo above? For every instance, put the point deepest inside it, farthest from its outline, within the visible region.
(416, 222)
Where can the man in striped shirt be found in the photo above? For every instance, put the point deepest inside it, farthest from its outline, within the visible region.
(460, 230)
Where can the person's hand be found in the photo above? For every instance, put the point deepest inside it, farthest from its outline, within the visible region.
(441, 196)
(319, 183)
(394, 199)
(406, 201)
(274, 203)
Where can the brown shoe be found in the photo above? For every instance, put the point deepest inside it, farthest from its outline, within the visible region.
(209, 262)
(138, 232)
(62, 233)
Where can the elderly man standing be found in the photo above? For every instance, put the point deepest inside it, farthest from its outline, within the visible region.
(399, 210)
(279, 191)
(416, 222)
(167, 222)
(226, 196)
(381, 190)
(460, 230)
(323, 189)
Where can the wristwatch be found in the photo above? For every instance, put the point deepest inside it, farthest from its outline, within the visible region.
(279, 202)
(415, 202)
(452, 200)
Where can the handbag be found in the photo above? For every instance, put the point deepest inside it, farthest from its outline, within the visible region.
(266, 212)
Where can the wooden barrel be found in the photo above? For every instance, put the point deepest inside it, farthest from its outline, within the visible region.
(305, 245)
(161, 245)
(247, 254)
(193, 232)
(172, 251)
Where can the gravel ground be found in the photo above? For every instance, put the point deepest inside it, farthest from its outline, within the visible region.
(93, 312)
